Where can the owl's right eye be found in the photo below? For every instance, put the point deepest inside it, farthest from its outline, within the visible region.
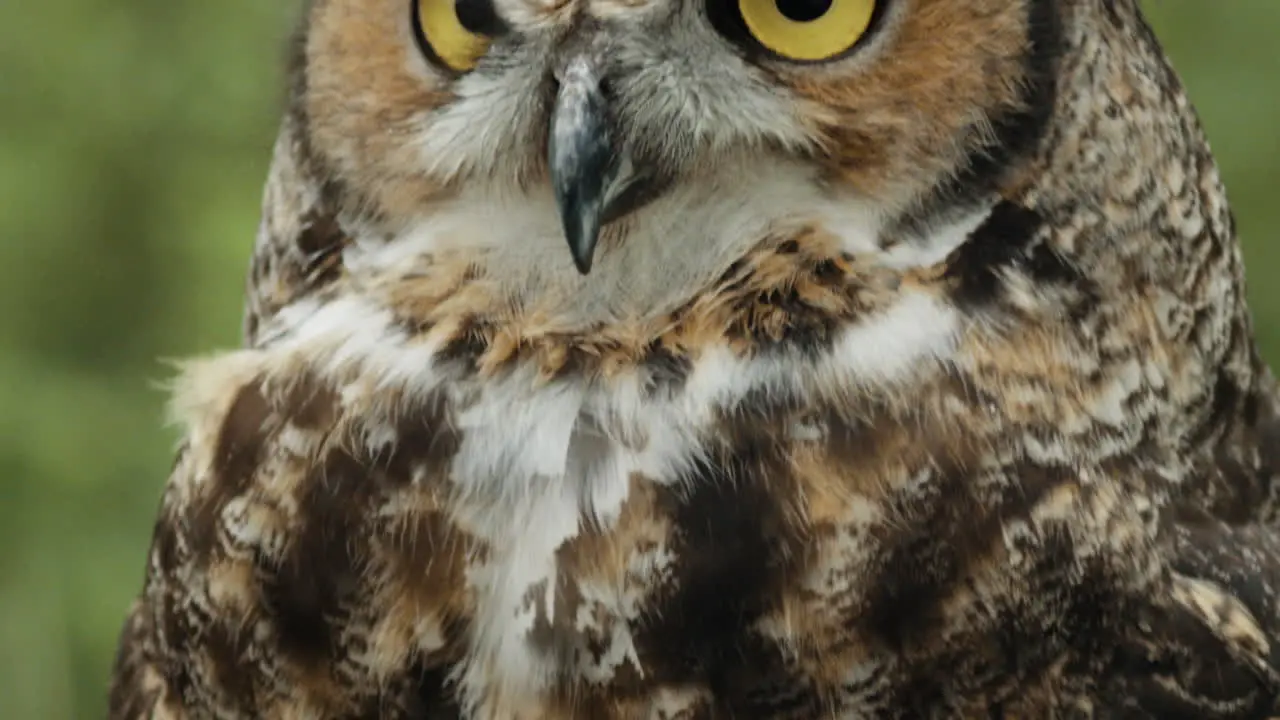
(455, 33)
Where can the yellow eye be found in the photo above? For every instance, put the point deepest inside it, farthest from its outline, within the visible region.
(455, 33)
(807, 30)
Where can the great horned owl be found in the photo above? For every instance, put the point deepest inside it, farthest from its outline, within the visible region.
(897, 366)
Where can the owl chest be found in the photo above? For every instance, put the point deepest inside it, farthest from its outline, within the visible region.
(612, 550)
(624, 553)
(643, 526)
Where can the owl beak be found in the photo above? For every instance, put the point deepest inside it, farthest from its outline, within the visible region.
(582, 158)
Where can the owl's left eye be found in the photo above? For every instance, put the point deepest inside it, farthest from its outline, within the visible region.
(455, 33)
(807, 30)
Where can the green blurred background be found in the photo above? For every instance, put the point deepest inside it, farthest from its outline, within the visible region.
(134, 138)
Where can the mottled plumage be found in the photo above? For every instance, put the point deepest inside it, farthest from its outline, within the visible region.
(923, 385)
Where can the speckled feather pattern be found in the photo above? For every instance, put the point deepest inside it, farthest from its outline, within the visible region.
(1033, 477)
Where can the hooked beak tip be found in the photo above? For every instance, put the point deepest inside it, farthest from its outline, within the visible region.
(582, 230)
(581, 159)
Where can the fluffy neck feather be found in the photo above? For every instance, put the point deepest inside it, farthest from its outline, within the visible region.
(653, 261)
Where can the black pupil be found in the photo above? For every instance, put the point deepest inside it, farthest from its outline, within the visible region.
(477, 16)
(803, 10)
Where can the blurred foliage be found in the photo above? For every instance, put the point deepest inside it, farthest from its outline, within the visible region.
(134, 138)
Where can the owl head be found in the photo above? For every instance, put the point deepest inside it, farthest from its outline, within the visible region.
(641, 134)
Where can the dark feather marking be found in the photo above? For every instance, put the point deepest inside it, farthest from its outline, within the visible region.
(317, 582)
(934, 552)
(126, 698)
(1244, 559)
(1006, 242)
(247, 428)
(668, 370)
(432, 696)
(1184, 671)
(179, 629)
(311, 405)
(937, 555)
(164, 537)
(227, 649)
(321, 242)
(736, 548)
(425, 438)
(467, 345)
(245, 433)
(321, 568)
(1242, 419)
(975, 267)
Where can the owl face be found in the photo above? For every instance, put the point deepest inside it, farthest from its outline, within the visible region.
(602, 108)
